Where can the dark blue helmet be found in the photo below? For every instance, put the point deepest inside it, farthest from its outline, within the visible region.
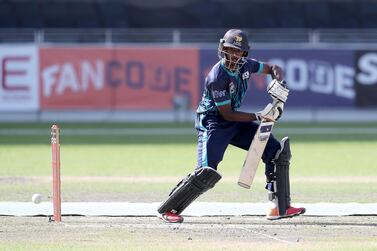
(237, 39)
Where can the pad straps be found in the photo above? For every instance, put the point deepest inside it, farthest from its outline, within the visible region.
(188, 189)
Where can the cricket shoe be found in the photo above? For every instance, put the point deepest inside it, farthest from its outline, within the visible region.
(273, 214)
(170, 217)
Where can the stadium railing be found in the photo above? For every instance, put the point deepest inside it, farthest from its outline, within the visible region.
(182, 36)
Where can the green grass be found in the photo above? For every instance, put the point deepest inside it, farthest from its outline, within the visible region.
(339, 158)
(340, 155)
(224, 191)
(173, 139)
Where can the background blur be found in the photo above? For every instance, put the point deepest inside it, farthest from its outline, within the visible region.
(128, 60)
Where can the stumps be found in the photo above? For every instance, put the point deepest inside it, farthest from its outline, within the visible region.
(56, 193)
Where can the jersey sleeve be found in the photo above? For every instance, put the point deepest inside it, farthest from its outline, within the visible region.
(254, 65)
(220, 93)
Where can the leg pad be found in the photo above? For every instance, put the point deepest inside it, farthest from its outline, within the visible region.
(280, 187)
(188, 189)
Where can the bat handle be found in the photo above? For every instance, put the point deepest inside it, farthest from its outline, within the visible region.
(275, 102)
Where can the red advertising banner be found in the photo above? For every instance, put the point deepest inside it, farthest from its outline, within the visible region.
(117, 78)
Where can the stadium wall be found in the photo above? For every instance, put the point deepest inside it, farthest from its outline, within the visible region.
(124, 83)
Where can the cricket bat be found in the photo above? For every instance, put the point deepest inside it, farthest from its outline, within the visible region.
(255, 152)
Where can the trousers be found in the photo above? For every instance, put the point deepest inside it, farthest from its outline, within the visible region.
(215, 134)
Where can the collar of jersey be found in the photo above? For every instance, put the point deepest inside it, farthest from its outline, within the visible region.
(233, 74)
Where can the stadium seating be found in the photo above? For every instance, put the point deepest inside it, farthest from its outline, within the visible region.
(190, 14)
(112, 15)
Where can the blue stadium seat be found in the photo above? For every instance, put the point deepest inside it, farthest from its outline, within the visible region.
(83, 9)
(57, 15)
(261, 15)
(84, 22)
(193, 14)
(235, 15)
(113, 14)
(7, 19)
(316, 14)
(29, 15)
(119, 22)
(344, 15)
(111, 8)
(204, 14)
(27, 9)
(158, 18)
(32, 22)
(5, 8)
(368, 14)
(289, 15)
(54, 9)
(85, 14)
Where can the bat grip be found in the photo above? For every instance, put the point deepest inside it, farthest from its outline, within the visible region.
(275, 102)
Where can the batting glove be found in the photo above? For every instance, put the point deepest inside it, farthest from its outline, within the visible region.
(278, 90)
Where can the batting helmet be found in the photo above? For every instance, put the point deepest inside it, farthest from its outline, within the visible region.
(237, 39)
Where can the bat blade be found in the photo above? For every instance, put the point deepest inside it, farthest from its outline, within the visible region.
(254, 154)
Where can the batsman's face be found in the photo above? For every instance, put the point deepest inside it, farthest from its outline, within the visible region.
(233, 57)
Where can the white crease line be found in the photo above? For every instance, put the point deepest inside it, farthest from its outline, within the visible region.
(268, 236)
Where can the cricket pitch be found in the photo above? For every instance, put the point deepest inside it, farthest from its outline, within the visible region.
(196, 233)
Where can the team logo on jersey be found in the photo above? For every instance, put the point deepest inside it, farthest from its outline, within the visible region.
(246, 75)
(219, 94)
(232, 88)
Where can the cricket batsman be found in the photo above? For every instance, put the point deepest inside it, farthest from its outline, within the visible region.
(220, 123)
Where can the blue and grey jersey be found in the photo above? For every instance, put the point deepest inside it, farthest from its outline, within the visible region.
(225, 87)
